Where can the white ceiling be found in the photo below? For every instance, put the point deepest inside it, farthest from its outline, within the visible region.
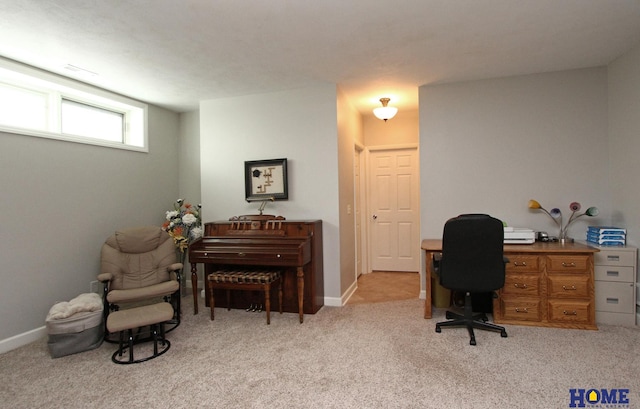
(175, 53)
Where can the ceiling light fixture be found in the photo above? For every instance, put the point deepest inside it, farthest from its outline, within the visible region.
(384, 112)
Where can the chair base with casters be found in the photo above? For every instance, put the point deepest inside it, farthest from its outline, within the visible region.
(470, 320)
(245, 280)
(125, 321)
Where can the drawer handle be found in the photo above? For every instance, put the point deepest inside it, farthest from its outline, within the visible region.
(613, 273)
(574, 312)
(521, 264)
(613, 258)
(524, 310)
(241, 254)
(572, 264)
(573, 287)
(612, 300)
(278, 256)
(523, 286)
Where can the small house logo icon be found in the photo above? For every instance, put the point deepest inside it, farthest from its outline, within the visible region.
(596, 398)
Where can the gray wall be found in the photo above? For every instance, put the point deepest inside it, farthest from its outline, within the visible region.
(490, 146)
(624, 141)
(299, 125)
(60, 202)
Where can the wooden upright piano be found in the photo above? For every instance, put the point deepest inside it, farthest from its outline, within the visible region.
(264, 240)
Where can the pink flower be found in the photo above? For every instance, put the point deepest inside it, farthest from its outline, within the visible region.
(574, 206)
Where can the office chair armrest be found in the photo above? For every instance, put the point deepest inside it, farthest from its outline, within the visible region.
(505, 259)
(435, 262)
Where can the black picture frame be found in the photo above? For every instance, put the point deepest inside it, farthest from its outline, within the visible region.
(266, 180)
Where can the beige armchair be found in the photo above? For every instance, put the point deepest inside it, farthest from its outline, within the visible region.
(139, 266)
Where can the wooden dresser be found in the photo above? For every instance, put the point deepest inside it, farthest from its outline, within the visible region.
(546, 284)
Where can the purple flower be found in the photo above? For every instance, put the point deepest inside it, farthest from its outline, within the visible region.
(555, 213)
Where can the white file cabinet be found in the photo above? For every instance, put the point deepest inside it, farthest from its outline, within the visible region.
(615, 285)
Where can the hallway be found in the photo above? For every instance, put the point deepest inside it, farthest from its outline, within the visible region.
(386, 286)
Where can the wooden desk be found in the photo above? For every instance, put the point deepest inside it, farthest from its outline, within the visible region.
(546, 284)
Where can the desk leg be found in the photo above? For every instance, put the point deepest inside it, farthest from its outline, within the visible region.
(194, 286)
(427, 287)
(301, 293)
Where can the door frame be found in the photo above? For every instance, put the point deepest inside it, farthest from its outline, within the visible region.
(362, 242)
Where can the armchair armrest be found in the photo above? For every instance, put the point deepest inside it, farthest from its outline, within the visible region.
(174, 272)
(105, 277)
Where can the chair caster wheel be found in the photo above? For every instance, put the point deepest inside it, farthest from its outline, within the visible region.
(503, 334)
(438, 329)
(472, 342)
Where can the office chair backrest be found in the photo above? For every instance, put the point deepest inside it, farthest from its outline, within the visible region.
(472, 254)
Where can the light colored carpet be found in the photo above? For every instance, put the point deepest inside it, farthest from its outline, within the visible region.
(382, 355)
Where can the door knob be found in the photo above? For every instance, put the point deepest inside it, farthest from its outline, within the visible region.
(375, 216)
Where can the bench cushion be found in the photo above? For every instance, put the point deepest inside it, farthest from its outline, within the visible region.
(244, 277)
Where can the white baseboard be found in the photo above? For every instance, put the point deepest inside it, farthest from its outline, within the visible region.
(23, 339)
(345, 297)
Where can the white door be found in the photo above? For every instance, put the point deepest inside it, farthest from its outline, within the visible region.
(394, 206)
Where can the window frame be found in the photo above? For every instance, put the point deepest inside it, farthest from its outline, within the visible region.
(57, 88)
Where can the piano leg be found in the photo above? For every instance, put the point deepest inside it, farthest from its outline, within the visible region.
(301, 294)
(194, 285)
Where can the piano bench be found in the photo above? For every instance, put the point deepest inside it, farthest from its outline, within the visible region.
(259, 280)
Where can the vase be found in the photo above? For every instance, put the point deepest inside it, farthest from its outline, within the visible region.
(563, 236)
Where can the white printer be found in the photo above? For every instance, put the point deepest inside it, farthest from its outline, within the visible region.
(519, 235)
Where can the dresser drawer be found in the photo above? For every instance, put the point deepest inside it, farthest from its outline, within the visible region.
(614, 273)
(570, 311)
(567, 263)
(521, 309)
(521, 284)
(568, 285)
(615, 258)
(521, 263)
(615, 297)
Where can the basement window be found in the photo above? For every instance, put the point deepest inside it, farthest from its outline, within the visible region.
(42, 104)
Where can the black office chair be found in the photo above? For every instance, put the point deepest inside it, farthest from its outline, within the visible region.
(471, 261)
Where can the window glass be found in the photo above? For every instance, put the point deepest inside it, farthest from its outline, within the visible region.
(92, 122)
(23, 108)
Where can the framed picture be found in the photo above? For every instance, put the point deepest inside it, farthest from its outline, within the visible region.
(266, 180)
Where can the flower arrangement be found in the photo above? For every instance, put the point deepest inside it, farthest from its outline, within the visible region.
(184, 224)
(556, 215)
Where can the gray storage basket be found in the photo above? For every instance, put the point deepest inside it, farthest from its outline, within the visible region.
(79, 332)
